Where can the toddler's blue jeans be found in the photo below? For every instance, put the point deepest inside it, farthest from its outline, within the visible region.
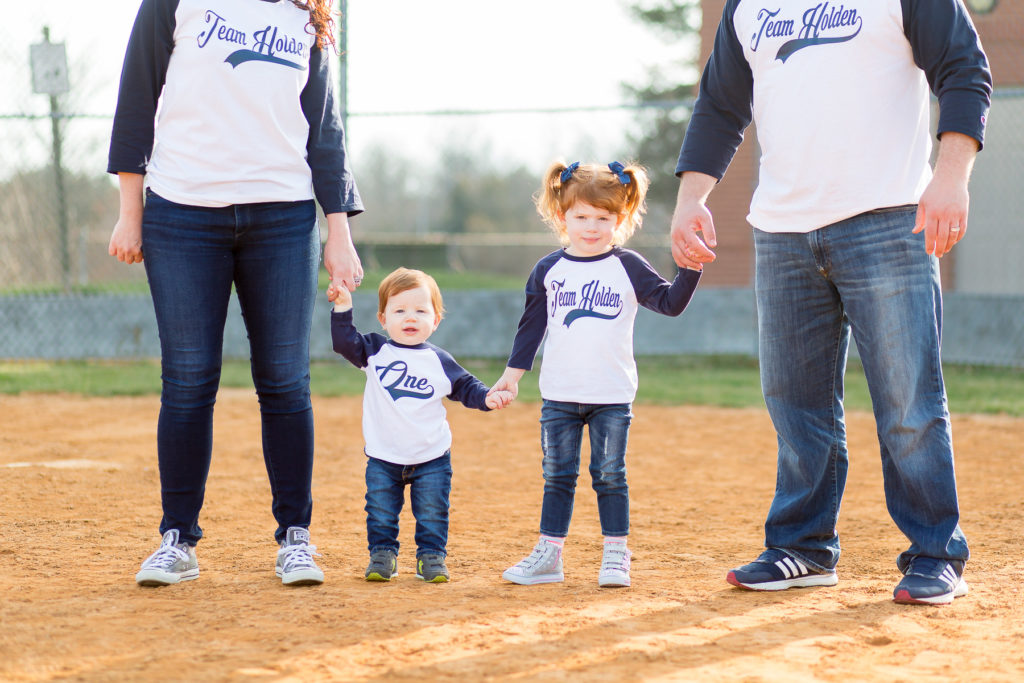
(561, 427)
(430, 484)
(193, 255)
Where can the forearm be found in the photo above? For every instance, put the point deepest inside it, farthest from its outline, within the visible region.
(695, 187)
(956, 157)
(131, 186)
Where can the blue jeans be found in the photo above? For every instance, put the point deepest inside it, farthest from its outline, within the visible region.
(270, 252)
(430, 484)
(870, 275)
(561, 430)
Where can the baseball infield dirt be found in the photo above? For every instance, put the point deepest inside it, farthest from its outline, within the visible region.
(79, 508)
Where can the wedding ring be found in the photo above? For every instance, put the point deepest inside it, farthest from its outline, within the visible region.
(357, 280)
(954, 228)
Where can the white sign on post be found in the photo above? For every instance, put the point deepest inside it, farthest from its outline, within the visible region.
(49, 68)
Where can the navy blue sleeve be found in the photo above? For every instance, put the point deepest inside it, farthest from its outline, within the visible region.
(534, 322)
(333, 183)
(466, 389)
(655, 292)
(355, 347)
(723, 109)
(946, 47)
(142, 81)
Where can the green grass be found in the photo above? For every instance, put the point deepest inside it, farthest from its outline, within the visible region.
(729, 381)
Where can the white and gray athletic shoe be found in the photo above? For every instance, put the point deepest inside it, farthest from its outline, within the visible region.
(543, 565)
(295, 563)
(614, 566)
(173, 562)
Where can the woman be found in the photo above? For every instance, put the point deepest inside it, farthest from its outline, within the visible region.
(246, 135)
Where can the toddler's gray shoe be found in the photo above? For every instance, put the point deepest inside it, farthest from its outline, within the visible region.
(614, 566)
(295, 563)
(431, 568)
(543, 565)
(173, 562)
(383, 565)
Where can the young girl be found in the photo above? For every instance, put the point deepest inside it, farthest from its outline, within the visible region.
(408, 440)
(217, 187)
(585, 296)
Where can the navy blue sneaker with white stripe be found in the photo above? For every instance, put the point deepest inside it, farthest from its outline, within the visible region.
(930, 581)
(776, 570)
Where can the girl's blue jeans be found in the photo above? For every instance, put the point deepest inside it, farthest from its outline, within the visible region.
(561, 428)
(871, 276)
(430, 484)
(270, 253)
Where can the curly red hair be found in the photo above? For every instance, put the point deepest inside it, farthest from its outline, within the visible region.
(320, 19)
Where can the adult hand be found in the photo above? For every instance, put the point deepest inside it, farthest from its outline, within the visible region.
(690, 220)
(942, 209)
(340, 257)
(496, 400)
(126, 239)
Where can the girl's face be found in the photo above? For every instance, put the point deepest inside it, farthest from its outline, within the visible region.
(591, 230)
(409, 317)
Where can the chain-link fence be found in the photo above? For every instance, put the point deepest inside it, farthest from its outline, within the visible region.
(62, 296)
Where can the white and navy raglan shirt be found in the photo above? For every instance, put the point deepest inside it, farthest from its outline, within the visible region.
(404, 418)
(587, 306)
(839, 94)
(246, 111)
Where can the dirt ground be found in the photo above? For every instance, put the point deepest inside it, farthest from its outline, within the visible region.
(79, 508)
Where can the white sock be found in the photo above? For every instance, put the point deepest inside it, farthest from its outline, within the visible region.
(615, 540)
(557, 540)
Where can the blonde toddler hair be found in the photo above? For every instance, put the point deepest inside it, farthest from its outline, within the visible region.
(616, 188)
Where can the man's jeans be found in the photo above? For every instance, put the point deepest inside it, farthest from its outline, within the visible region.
(871, 275)
(561, 427)
(193, 255)
(430, 484)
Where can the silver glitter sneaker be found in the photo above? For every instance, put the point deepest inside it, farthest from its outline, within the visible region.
(295, 564)
(614, 566)
(543, 565)
(173, 562)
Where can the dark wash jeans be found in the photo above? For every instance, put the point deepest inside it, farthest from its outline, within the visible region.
(868, 275)
(430, 484)
(193, 255)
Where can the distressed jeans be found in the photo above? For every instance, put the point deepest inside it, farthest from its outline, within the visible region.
(561, 426)
(868, 275)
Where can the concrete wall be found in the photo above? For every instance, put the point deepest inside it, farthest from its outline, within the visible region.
(981, 329)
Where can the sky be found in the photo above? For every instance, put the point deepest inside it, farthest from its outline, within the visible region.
(410, 55)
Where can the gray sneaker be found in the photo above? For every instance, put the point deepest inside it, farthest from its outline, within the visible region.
(171, 563)
(614, 566)
(383, 565)
(543, 565)
(295, 564)
(431, 568)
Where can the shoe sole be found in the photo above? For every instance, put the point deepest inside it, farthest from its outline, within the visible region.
(150, 578)
(613, 583)
(436, 579)
(533, 580)
(903, 597)
(374, 576)
(783, 584)
(303, 578)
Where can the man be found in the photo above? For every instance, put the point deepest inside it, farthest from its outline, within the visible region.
(849, 221)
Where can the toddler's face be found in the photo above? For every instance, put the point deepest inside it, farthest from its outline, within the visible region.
(409, 317)
(591, 230)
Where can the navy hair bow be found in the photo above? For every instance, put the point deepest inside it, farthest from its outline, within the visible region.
(568, 171)
(618, 169)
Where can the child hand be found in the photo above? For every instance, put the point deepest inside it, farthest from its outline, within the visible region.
(509, 381)
(496, 400)
(340, 296)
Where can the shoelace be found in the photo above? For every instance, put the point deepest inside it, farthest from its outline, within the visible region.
(165, 557)
(535, 557)
(299, 556)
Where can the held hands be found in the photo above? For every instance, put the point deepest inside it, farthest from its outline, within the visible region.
(498, 399)
(508, 382)
(688, 249)
(340, 297)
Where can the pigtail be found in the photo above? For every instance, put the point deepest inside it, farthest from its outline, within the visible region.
(549, 199)
(636, 195)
